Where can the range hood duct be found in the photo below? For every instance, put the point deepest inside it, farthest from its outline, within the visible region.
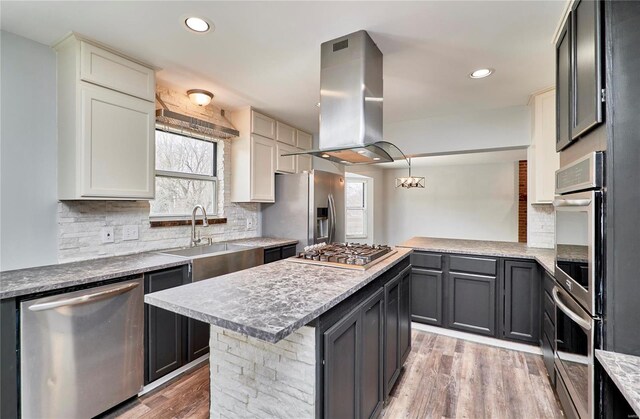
(351, 102)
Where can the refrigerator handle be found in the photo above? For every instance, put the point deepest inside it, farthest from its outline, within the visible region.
(332, 219)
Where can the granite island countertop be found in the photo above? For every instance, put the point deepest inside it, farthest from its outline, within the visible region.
(624, 370)
(546, 257)
(52, 277)
(269, 302)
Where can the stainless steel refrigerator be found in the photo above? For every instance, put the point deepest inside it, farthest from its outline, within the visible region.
(309, 207)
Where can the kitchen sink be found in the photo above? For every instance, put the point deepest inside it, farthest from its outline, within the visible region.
(208, 261)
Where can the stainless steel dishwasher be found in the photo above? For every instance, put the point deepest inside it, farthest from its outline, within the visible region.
(81, 352)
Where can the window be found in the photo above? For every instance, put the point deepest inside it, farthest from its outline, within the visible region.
(185, 175)
(356, 198)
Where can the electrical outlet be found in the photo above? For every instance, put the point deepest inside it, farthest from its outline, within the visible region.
(130, 232)
(106, 234)
(250, 223)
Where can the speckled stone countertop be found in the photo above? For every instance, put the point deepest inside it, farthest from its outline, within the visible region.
(46, 278)
(271, 301)
(624, 370)
(546, 257)
(265, 242)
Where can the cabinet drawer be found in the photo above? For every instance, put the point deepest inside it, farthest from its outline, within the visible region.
(474, 265)
(263, 125)
(549, 308)
(547, 356)
(549, 283)
(272, 255)
(112, 71)
(288, 251)
(426, 260)
(285, 134)
(549, 330)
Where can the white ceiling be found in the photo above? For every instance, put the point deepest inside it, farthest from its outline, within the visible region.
(267, 54)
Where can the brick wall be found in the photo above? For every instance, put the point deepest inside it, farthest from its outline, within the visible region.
(80, 222)
(522, 201)
(253, 378)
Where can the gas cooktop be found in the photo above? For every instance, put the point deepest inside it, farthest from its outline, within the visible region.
(344, 255)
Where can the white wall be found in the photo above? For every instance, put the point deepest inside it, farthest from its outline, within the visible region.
(492, 129)
(28, 187)
(465, 202)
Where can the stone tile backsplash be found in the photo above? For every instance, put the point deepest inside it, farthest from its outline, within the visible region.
(541, 226)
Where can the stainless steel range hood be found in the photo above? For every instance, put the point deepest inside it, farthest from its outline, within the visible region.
(351, 102)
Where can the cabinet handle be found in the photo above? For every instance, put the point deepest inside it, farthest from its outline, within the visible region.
(571, 202)
(83, 299)
(586, 325)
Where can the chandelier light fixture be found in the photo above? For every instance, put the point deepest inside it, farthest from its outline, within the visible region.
(410, 181)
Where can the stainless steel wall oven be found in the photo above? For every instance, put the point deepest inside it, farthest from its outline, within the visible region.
(579, 273)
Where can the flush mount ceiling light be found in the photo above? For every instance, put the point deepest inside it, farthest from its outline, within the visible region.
(200, 97)
(481, 73)
(198, 25)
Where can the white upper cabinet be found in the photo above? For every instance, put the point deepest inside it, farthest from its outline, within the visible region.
(263, 125)
(304, 140)
(106, 124)
(262, 169)
(543, 160)
(286, 164)
(305, 164)
(285, 134)
(253, 157)
(112, 71)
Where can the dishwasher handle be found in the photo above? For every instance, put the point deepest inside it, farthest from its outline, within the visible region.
(87, 298)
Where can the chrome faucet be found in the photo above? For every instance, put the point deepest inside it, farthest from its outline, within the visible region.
(196, 240)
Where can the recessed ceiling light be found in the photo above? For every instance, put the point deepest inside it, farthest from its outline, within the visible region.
(481, 73)
(197, 24)
(376, 158)
(362, 151)
(343, 161)
(326, 156)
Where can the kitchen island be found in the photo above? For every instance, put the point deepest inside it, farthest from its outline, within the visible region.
(288, 339)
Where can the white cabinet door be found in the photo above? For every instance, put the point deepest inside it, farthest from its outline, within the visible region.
(263, 152)
(305, 163)
(263, 125)
(118, 148)
(107, 69)
(286, 164)
(285, 134)
(545, 158)
(304, 140)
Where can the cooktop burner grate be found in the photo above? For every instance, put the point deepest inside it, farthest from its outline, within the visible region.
(344, 255)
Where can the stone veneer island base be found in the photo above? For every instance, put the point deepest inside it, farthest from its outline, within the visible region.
(251, 377)
(291, 340)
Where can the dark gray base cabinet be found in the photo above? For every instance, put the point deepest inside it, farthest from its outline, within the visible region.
(483, 295)
(397, 293)
(426, 294)
(521, 301)
(353, 362)
(171, 340)
(364, 342)
(472, 303)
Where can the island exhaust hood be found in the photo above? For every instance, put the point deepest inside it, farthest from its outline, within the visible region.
(351, 103)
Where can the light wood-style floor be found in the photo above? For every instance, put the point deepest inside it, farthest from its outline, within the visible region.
(444, 377)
